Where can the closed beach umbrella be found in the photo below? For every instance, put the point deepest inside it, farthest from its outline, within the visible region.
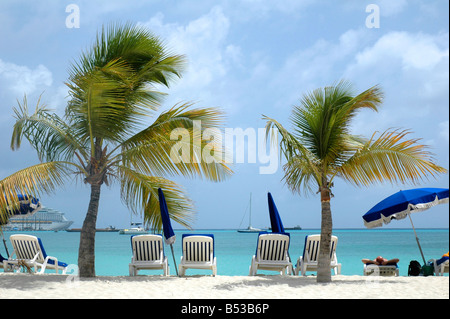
(169, 235)
(402, 204)
(275, 220)
(28, 206)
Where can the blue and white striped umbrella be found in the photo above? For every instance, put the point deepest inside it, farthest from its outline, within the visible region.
(401, 204)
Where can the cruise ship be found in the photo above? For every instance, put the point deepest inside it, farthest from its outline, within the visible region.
(46, 219)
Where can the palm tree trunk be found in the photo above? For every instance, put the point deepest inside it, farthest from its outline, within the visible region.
(86, 251)
(323, 267)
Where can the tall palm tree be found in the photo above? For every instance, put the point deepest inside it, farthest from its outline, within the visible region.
(106, 134)
(320, 148)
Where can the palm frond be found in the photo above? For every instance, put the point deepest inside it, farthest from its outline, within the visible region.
(323, 119)
(140, 193)
(154, 150)
(34, 181)
(301, 174)
(390, 157)
(47, 133)
(98, 107)
(133, 57)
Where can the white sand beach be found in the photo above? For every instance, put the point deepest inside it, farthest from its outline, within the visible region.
(17, 286)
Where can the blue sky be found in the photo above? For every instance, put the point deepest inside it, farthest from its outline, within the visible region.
(248, 57)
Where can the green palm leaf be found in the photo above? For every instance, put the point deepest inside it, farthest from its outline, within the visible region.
(47, 133)
(151, 150)
(390, 157)
(34, 180)
(140, 193)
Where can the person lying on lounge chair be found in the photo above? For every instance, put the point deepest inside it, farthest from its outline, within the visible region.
(381, 261)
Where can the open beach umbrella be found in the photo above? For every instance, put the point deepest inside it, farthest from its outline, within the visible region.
(402, 204)
(169, 234)
(28, 206)
(275, 220)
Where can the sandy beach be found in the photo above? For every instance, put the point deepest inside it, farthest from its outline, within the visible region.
(17, 286)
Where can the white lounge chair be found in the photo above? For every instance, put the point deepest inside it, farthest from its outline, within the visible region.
(272, 254)
(309, 260)
(441, 265)
(380, 270)
(198, 253)
(148, 253)
(30, 252)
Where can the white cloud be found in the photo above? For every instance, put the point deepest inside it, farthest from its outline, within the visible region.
(412, 70)
(212, 58)
(417, 51)
(264, 7)
(203, 41)
(23, 80)
(321, 64)
(390, 8)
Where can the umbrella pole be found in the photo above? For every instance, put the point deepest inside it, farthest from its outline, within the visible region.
(417, 239)
(173, 256)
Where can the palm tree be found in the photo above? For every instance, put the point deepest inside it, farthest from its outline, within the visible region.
(106, 134)
(320, 148)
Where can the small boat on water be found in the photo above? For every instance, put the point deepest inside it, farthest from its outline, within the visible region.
(136, 230)
(250, 229)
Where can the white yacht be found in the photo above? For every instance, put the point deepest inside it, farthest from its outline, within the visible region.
(46, 219)
(136, 229)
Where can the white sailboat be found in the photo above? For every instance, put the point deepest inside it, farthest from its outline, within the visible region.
(250, 229)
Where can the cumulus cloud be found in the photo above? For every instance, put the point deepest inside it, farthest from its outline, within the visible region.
(203, 41)
(21, 79)
(318, 65)
(417, 51)
(211, 57)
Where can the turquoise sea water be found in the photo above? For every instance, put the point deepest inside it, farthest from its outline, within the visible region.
(234, 250)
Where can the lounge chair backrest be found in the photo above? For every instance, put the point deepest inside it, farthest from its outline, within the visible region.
(442, 260)
(272, 247)
(198, 248)
(312, 247)
(147, 247)
(27, 247)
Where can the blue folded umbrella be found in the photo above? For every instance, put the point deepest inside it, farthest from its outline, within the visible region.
(169, 234)
(275, 219)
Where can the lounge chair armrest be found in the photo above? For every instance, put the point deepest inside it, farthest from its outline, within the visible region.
(55, 260)
(35, 257)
